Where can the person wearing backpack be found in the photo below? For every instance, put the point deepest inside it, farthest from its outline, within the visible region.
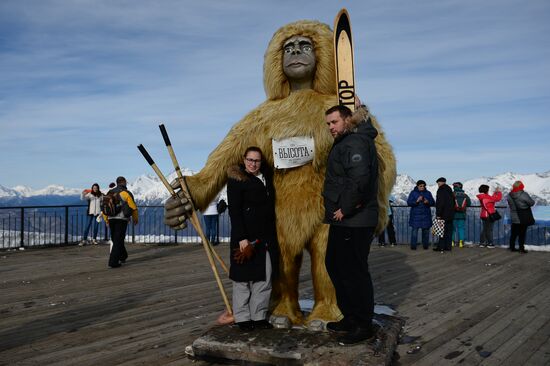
(94, 198)
(118, 207)
(462, 200)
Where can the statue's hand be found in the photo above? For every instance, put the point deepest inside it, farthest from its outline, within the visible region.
(177, 209)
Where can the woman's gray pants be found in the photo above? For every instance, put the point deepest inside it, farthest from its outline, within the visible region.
(251, 299)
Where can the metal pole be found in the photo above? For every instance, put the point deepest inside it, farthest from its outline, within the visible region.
(66, 224)
(22, 243)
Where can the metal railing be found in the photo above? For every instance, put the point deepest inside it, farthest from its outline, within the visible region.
(32, 226)
(536, 235)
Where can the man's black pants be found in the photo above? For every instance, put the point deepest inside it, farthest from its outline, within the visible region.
(118, 233)
(347, 265)
(445, 243)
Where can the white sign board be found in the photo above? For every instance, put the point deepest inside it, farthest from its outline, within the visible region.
(293, 151)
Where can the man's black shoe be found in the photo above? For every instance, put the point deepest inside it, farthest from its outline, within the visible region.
(115, 265)
(357, 335)
(246, 326)
(343, 325)
(262, 324)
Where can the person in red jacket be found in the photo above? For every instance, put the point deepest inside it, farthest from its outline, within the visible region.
(487, 203)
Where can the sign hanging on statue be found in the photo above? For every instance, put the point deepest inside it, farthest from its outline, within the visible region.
(293, 152)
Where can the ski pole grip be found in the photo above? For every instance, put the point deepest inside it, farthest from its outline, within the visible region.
(165, 135)
(145, 154)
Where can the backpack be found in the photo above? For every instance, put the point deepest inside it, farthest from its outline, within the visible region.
(221, 206)
(113, 204)
(461, 208)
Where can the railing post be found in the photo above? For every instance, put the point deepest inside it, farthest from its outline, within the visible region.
(22, 243)
(133, 233)
(66, 224)
(176, 236)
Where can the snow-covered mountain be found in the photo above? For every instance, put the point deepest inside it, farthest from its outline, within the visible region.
(537, 185)
(149, 190)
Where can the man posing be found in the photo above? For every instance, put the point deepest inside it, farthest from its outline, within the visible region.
(351, 209)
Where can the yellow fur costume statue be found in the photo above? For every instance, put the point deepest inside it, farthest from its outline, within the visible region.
(299, 204)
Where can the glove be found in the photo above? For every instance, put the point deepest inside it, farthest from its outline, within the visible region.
(177, 209)
(243, 256)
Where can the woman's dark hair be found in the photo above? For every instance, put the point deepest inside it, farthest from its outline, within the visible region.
(484, 188)
(419, 182)
(253, 148)
(98, 193)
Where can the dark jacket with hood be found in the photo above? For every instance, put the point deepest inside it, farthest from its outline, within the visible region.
(351, 180)
(445, 203)
(252, 214)
(420, 216)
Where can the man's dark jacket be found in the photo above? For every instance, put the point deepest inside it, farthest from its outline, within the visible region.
(445, 203)
(351, 180)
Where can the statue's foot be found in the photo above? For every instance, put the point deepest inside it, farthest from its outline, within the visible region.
(322, 313)
(289, 310)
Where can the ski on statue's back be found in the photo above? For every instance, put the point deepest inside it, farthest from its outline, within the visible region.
(343, 60)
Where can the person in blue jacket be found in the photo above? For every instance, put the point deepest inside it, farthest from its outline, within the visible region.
(420, 200)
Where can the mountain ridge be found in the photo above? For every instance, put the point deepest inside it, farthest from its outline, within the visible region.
(149, 190)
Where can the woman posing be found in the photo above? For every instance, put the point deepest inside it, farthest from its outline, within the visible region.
(253, 239)
(94, 197)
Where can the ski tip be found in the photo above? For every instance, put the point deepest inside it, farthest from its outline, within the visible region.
(342, 19)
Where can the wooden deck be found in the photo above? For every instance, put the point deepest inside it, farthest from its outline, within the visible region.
(63, 306)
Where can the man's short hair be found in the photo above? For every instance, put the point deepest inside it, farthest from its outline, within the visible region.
(344, 111)
(120, 180)
(442, 179)
(420, 182)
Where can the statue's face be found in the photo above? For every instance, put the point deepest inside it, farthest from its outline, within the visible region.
(299, 58)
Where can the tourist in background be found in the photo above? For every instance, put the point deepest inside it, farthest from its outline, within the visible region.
(93, 196)
(462, 201)
(210, 215)
(520, 204)
(389, 228)
(118, 222)
(444, 210)
(487, 203)
(420, 200)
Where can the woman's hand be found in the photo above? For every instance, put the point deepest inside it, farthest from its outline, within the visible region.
(243, 244)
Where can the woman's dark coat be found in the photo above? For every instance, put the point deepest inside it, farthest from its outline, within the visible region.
(252, 214)
(421, 215)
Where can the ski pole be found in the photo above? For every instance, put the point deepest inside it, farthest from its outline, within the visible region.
(185, 189)
(195, 223)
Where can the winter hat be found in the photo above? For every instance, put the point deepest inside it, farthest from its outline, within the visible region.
(517, 186)
(441, 180)
(457, 184)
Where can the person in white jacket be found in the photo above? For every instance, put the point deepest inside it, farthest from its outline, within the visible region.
(94, 197)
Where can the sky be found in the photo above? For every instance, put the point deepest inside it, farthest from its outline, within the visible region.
(461, 88)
